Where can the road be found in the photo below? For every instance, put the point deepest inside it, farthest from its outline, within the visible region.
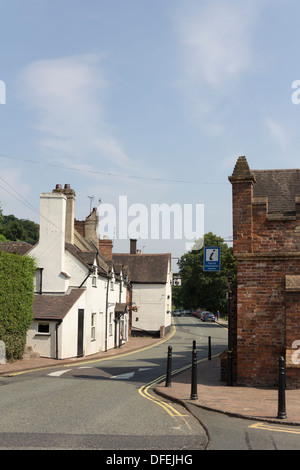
(109, 404)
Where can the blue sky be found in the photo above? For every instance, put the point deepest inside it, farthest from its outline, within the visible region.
(152, 100)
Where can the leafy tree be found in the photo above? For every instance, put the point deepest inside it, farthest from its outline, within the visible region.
(15, 229)
(201, 289)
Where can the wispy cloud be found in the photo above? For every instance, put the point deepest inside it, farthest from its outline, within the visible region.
(68, 95)
(215, 50)
(216, 40)
(278, 133)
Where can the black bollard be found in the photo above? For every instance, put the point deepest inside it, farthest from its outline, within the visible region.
(169, 367)
(281, 389)
(194, 395)
(209, 348)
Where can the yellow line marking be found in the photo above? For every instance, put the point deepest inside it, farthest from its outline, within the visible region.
(144, 392)
(128, 353)
(269, 427)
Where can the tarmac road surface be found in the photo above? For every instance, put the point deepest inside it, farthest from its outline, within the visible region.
(104, 404)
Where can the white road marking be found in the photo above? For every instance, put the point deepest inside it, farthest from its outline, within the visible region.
(58, 373)
(127, 376)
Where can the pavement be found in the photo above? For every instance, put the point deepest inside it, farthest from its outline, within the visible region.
(260, 404)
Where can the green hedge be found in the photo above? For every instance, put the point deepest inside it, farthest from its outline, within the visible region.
(16, 299)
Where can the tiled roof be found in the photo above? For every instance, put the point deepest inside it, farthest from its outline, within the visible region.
(88, 257)
(145, 269)
(21, 248)
(280, 186)
(55, 307)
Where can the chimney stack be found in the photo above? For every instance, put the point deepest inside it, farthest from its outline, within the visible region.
(105, 248)
(70, 211)
(132, 246)
(91, 226)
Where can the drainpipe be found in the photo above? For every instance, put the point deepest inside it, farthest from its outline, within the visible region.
(56, 338)
(106, 312)
(90, 272)
(119, 319)
(41, 280)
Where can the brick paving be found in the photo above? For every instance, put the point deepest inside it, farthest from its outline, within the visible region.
(246, 402)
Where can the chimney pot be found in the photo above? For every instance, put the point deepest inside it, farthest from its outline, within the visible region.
(67, 186)
(58, 186)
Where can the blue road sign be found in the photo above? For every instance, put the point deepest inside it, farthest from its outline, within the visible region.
(212, 258)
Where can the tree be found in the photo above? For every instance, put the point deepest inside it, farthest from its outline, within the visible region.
(15, 229)
(201, 289)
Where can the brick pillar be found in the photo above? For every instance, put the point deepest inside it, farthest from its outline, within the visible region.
(242, 181)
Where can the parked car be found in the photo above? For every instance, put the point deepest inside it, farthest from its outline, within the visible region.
(186, 312)
(198, 313)
(203, 312)
(208, 316)
(176, 313)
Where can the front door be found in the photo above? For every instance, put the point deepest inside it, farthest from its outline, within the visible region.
(80, 332)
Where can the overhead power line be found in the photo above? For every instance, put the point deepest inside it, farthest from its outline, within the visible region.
(116, 175)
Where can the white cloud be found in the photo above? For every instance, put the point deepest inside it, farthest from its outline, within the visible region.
(215, 53)
(278, 133)
(216, 41)
(68, 95)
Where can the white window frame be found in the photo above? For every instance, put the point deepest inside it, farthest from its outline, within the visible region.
(110, 326)
(93, 326)
(46, 333)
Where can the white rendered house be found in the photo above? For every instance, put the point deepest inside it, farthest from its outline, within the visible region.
(150, 278)
(80, 303)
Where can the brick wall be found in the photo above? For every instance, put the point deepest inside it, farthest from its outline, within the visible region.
(267, 249)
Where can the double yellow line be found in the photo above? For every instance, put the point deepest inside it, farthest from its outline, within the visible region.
(274, 428)
(144, 390)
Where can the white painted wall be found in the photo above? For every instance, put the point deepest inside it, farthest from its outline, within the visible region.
(151, 300)
(49, 252)
(43, 344)
(62, 271)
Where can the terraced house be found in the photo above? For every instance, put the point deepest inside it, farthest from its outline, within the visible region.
(87, 298)
(80, 300)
